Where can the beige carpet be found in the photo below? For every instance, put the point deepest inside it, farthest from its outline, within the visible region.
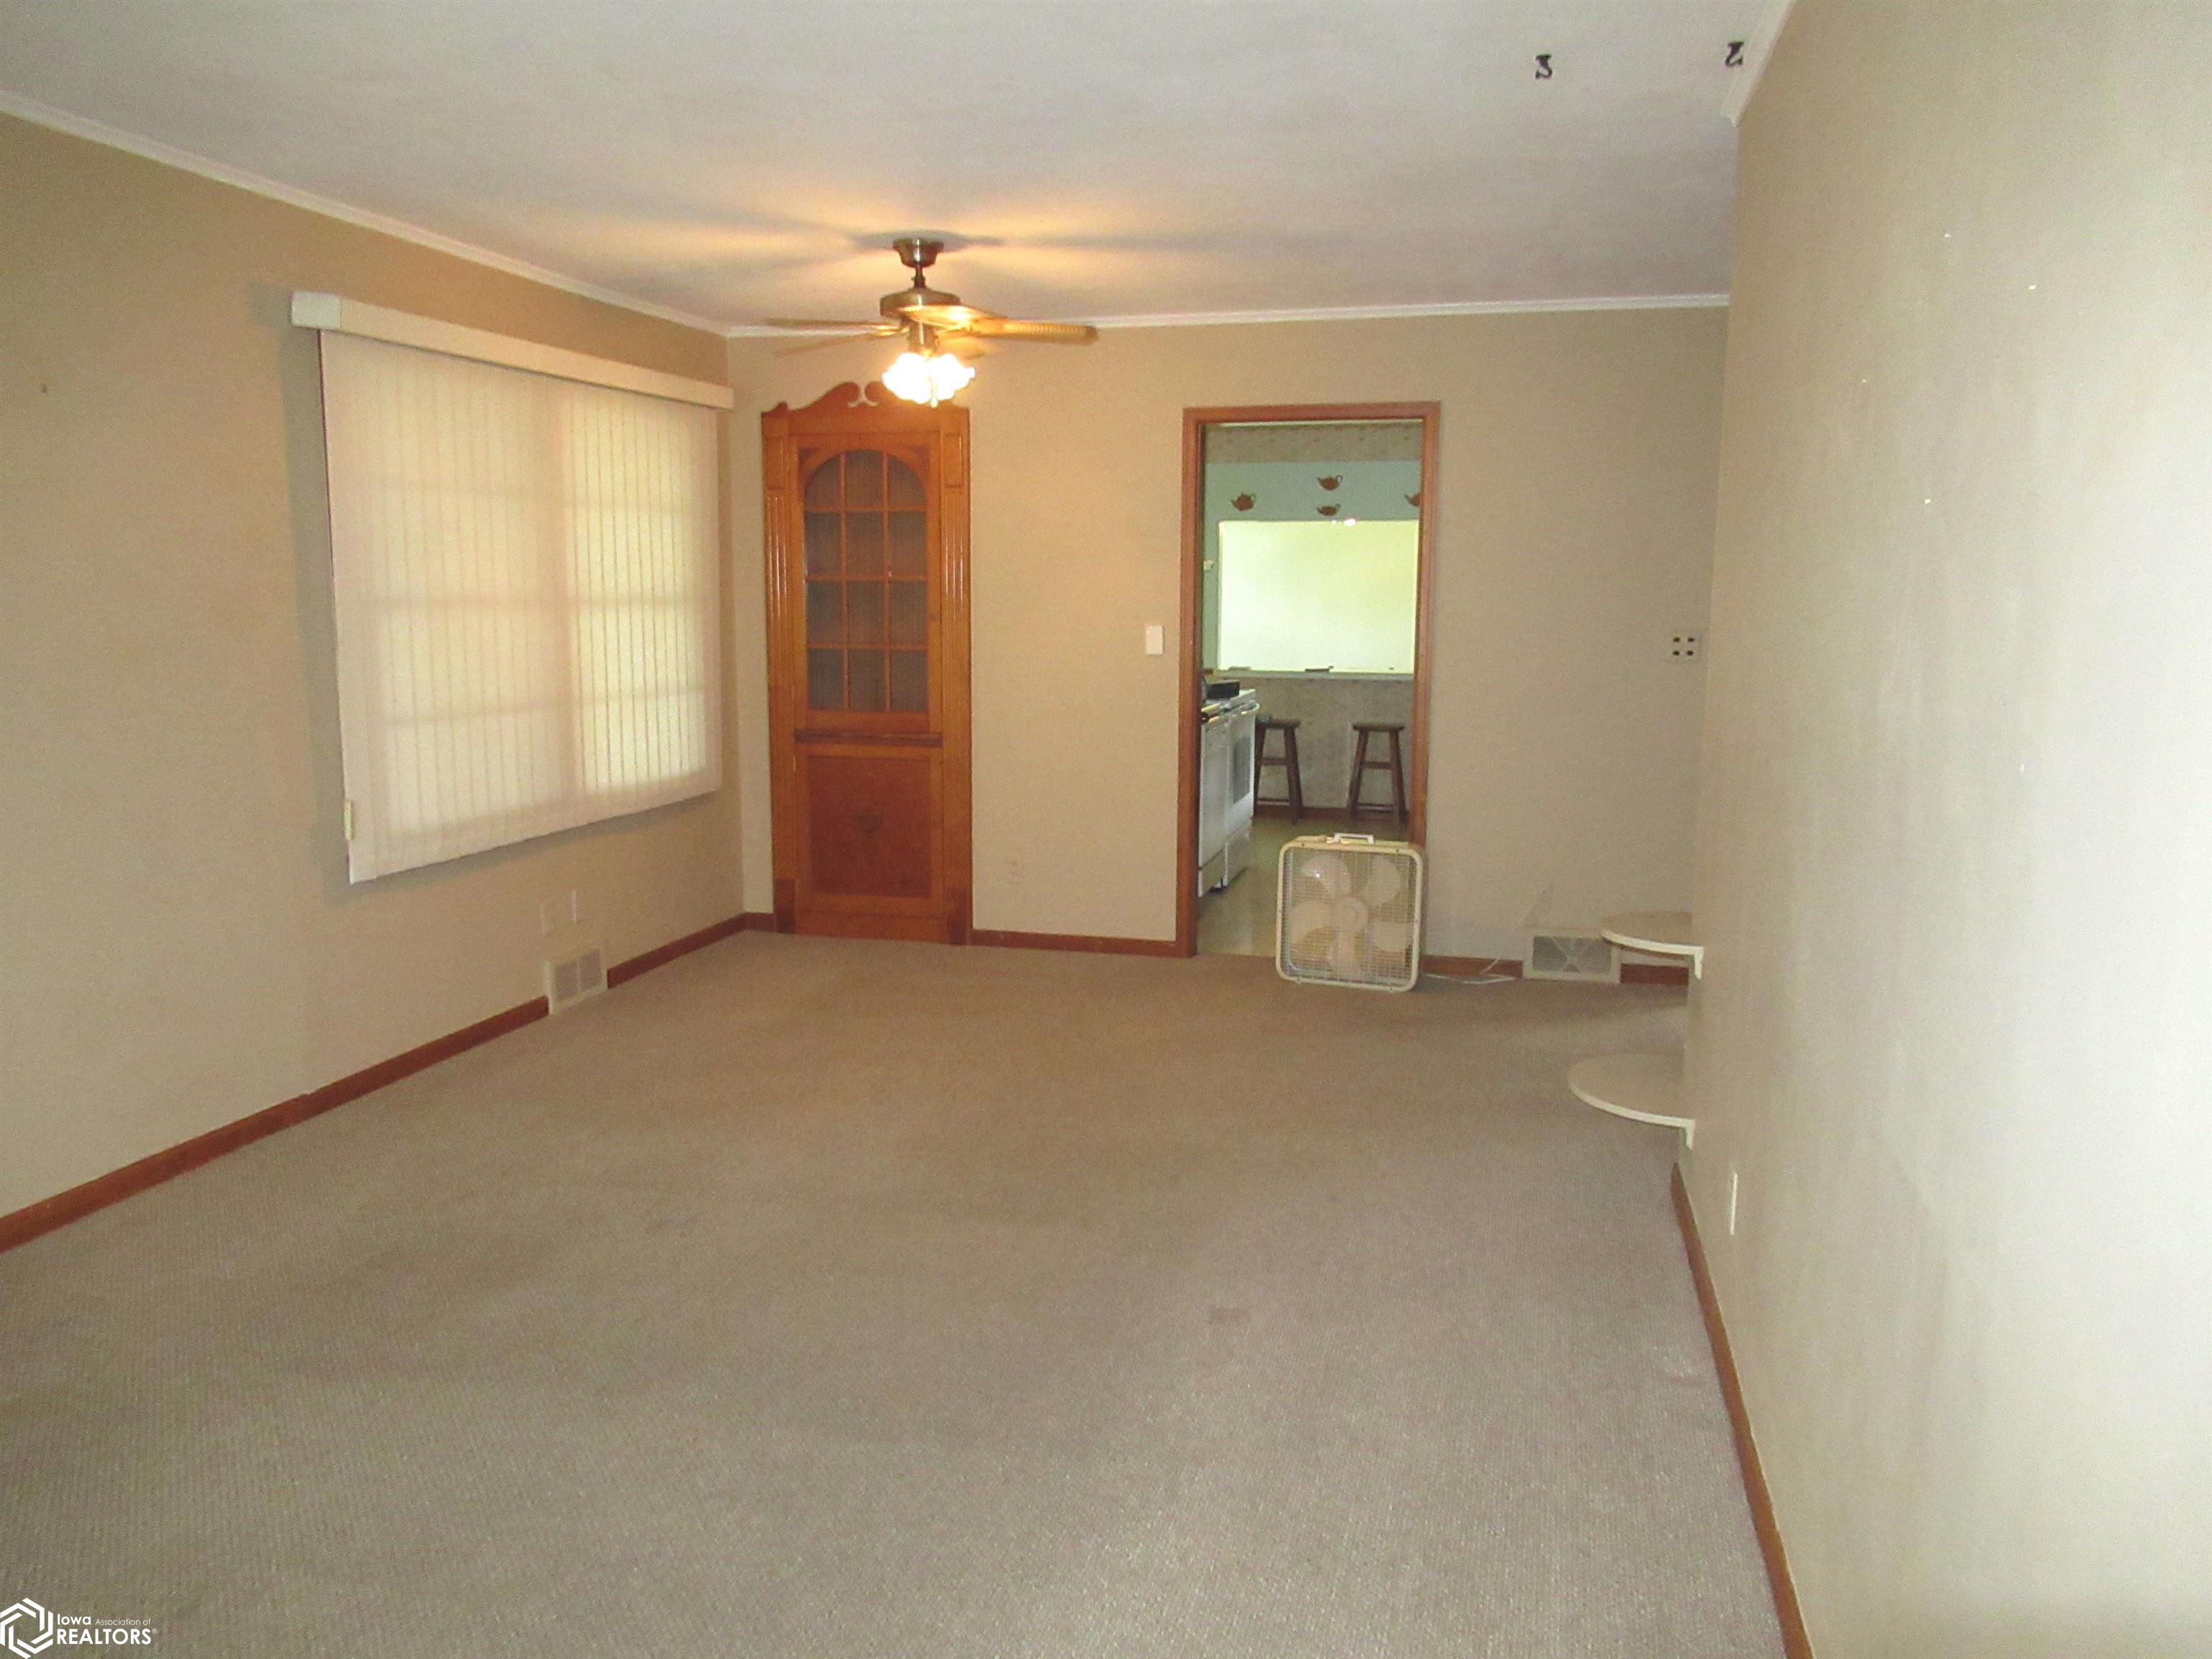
(807, 1300)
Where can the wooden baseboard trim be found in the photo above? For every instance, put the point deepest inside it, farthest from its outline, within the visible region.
(1097, 942)
(48, 1214)
(1796, 1644)
(1379, 819)
(1473, 967)
(1631, 973)
(25, 1225)
(646, 961)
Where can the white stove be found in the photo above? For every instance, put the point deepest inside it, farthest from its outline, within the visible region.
(1228, 750)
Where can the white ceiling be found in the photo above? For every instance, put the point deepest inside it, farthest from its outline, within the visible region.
(729, 160)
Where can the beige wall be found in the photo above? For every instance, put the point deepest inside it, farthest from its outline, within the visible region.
(177, 939)
(1575, 532)
(1956, 866)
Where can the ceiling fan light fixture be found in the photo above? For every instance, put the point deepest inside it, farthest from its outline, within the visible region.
(929, 377)
(927, 318)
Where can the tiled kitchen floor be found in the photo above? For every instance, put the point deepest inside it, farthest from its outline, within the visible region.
(1239, 920)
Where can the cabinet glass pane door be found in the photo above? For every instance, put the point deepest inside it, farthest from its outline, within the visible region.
(867, 559)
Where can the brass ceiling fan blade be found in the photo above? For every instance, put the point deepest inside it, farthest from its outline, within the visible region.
(933, 319)
(826, 340)
(952, 316)
(1020, 328)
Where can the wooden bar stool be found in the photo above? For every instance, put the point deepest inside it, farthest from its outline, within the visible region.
(1395, 764)
(1294, 795)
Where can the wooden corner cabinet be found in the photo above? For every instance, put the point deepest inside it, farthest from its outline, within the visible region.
(866, 505)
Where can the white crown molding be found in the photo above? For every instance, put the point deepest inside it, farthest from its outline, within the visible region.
(1757, 49)
(763, 331)
(1340, 314)
(1383, 313)
(46, 115)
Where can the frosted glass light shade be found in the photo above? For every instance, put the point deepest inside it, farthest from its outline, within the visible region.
(927, 379)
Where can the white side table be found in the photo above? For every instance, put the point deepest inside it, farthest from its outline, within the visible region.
(1657, 933)
(1646, 1087)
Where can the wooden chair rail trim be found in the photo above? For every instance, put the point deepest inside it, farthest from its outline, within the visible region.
(21, 1226)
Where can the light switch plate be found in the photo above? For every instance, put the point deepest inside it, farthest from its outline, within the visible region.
(1156, 640)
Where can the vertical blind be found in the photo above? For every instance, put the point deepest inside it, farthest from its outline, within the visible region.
(526, 586)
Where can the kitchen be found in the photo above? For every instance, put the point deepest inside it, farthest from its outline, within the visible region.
(1309, 624)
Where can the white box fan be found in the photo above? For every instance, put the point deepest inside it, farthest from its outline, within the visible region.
(1348, 912)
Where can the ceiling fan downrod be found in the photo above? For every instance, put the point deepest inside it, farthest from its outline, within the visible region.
(917, 253)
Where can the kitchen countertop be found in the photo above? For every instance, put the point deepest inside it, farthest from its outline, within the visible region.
(1323, 675)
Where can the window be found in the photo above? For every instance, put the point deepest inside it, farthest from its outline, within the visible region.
(1331, 595)
(526, 570)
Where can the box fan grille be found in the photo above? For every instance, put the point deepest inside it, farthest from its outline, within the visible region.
(1348, 912)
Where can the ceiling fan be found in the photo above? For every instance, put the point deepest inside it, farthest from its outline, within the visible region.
(940, 331)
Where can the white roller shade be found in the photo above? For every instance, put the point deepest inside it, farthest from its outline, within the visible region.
(527, 581)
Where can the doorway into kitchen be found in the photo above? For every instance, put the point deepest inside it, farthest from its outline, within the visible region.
(1308, 548)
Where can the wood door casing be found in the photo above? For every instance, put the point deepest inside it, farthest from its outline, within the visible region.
(1194, 423)
(869, 737)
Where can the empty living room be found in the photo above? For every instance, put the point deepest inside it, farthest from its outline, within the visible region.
(1049, 830)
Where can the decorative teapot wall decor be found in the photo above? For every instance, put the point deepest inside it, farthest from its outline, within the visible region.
(1330, 484)
(1328, 510)
(1243, 503)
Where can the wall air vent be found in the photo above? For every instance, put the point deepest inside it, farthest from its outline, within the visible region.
(567, 983)
(1569, 954)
